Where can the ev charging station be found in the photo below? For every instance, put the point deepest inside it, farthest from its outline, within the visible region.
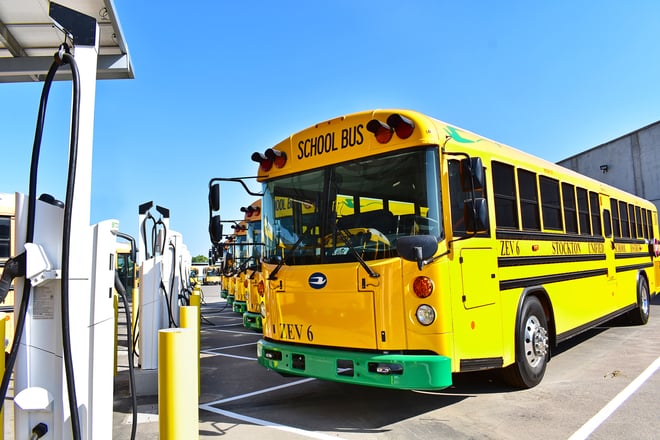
(164, 263)
(63, 355)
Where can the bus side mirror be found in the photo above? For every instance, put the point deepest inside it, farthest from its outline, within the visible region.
(475, 213)
(214, 197)
(472, 172)
(215, 229)
(417, 248)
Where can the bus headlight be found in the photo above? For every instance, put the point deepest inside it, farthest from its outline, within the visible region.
(425, 314)
(262, 308)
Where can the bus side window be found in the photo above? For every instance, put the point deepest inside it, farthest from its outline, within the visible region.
(458, 199)
(595, 213)
(583, 211)
(550, 204)
(529, 200)
(504, 191)
(616, 226)
(607, 222)
(570, 210)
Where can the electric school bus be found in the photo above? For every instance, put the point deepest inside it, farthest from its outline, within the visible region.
(430, 250)
(254, 282)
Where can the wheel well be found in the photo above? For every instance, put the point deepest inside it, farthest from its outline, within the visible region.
(540, 293)
(642, 274)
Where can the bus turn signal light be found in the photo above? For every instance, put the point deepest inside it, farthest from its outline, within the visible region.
(423, 287)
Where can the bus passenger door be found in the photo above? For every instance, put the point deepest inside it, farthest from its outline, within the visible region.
(478, 320)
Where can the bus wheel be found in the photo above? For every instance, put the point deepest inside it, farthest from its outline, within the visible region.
(532, 352)
(640, 315)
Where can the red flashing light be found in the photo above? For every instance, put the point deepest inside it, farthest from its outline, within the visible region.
(278, 157)
(382, 131)
(250, 211)
(261, 288)
(422, 287)
(264, 163)
(403, 126)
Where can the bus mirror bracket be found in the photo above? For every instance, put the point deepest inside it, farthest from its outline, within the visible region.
(417, 248)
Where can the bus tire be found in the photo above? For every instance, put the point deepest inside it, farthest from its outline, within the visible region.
(532, 349)
(640, 314)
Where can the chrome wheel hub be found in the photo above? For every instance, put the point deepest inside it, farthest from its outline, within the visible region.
(536, 341)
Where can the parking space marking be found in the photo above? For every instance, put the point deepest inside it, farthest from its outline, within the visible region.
(236, 322)
(235, 356)
(220, 330)
(602, 415)
(266, 423)
(311, 434)
(226, 347)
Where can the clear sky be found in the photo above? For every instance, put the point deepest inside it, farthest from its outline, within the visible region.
(218, 80)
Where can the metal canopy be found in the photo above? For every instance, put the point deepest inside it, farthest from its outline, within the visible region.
(29, 39)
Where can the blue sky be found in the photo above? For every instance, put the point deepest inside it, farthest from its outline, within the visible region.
(217, 80)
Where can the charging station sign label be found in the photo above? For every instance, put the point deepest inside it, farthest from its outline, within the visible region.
(43, 302)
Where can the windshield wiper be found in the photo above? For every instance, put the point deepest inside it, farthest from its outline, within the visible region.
(281, 260)
(349, 242)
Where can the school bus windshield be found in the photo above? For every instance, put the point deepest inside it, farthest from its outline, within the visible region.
(359, 208)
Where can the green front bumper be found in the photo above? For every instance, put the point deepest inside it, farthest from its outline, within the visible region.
(239, 307)
(253, 321)
(400, 371)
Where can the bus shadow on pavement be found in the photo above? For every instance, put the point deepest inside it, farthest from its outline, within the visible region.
(332, 406)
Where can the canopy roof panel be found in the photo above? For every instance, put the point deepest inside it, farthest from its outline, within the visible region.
(29, 38)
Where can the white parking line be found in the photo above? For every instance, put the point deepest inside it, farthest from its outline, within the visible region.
(234, 356)
(311, 434)
(219, 330)
(225, 347)
(256, 393)
(266, 423)
(615, 403)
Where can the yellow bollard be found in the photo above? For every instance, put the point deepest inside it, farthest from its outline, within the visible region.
(189, 316)
(3, 326)
(195, 298)
(178, 399)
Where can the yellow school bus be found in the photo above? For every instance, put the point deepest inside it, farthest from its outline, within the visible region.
(235, 257)
(254, 282)
(212, 275)
(427, 250)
